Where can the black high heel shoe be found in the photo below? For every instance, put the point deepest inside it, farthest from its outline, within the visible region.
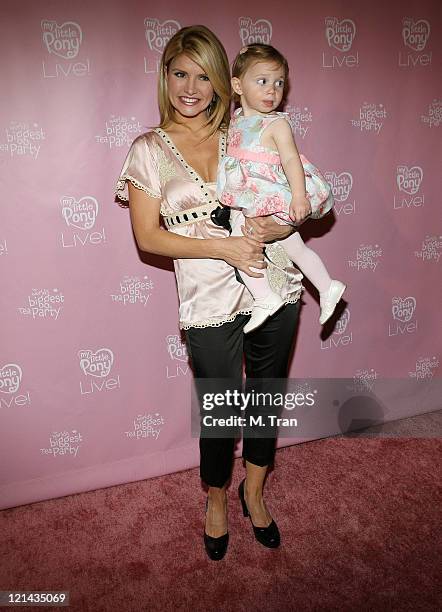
(215, 547)
(267, 536)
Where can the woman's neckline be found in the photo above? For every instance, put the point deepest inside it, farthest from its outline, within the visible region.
(190, 170)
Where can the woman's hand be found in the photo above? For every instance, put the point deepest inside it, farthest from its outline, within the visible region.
(266, 229)
(243, 253)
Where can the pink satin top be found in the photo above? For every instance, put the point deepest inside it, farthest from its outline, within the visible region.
(209, 292)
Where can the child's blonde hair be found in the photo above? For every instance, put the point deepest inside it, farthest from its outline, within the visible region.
(258, 52)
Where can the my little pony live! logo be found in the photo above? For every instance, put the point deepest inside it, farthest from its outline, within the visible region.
(341, 336)
(341, 185)
(409, 181)
(80, 217)
(259, 31)
(63, 42)
(157, 36)
(415, 35)
(340, 36)
(402, 310)
(10, 380)
(178, 354)
(96, 367)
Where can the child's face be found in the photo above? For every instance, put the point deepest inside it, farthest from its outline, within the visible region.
(261, 87)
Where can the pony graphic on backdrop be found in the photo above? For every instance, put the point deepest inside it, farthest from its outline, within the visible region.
(63, 41)
(340, 336)
(178, 353)
(402, 310)
(10, 380)
(95, 365)
(415, 35)
(409, 181)
(340, 36)
(251, 32)
(157, 36)
(341, 185)
(81, 215)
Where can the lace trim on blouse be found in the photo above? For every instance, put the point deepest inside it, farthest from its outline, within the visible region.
(217, 322)
(119, 191)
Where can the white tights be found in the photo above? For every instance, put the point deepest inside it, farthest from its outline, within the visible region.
(305, 258)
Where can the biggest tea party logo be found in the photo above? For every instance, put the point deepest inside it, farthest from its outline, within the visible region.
(23, 139)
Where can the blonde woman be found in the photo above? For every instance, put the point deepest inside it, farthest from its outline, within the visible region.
(169, 176)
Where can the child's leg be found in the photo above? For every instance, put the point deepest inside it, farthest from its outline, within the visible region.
(330, 291)
(258, 287)
(310, 263)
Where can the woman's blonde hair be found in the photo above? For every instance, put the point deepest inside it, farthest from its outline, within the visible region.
(204, 48)
(258, 52)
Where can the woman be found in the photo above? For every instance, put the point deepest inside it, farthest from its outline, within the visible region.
(171, 171)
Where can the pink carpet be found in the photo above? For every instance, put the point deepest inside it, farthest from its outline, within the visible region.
(359, 520)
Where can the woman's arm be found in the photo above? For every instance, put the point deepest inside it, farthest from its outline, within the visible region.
(239, 252)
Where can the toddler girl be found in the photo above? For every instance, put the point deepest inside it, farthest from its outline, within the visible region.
(262, 174)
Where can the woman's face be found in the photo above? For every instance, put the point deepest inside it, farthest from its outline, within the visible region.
(190, 91)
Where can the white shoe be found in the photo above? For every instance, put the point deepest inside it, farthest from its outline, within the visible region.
(330, 300)
(262, 311)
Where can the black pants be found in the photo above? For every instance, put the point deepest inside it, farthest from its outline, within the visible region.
(217, 352)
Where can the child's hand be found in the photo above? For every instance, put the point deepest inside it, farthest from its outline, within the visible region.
(300, 209)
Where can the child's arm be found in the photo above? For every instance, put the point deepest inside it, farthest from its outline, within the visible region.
(281, 134)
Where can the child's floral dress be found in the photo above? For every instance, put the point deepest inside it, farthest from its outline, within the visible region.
(251, 178)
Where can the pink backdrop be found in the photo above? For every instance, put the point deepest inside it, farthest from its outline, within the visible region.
(94, 385)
